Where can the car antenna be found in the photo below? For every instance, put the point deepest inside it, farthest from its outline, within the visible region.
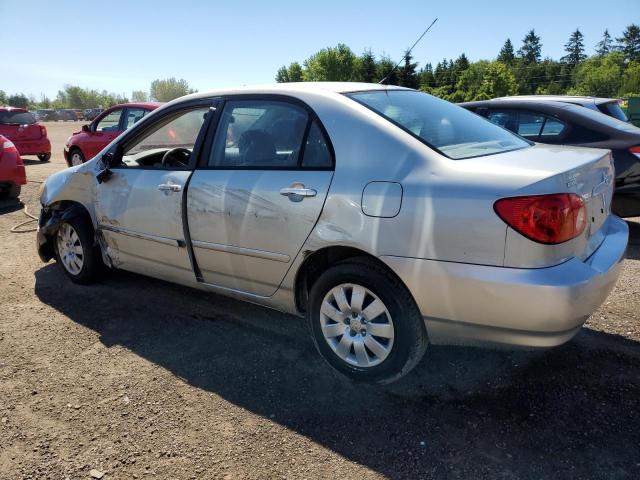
(381, 82)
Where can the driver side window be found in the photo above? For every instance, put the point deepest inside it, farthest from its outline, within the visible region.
(111, 122)
(176, 133)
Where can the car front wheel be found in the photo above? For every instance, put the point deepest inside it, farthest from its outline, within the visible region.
(76, 157)
(365, 323)
(75, 251)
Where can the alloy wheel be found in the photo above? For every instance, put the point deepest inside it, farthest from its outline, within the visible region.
(357, 325)
(70, 249)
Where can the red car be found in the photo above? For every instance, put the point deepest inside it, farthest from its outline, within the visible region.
(12, 173)
(27, 134)
(87, 143)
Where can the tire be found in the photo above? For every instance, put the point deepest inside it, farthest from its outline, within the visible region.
(400, 319)
(75, 155)
(87, 267)
(12, 192)
(44, 157)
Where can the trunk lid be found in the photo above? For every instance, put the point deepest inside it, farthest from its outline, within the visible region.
(19, 125)
(546, 169)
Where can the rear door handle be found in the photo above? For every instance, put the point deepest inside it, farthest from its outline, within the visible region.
(300, 191)
(169, 187)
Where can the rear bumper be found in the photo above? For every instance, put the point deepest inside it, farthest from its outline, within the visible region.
(543, 307)
(33, 147)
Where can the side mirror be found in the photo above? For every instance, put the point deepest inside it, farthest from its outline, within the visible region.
(86, 128)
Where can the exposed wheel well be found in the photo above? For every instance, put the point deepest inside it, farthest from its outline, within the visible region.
(317, 262)
(50, 220)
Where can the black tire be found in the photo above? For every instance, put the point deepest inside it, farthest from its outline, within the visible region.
(12, 192)
(44, 157)
(92, 266)
(75, 151)
(410, 336)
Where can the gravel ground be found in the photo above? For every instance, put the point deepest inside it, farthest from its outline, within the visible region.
(138, 378)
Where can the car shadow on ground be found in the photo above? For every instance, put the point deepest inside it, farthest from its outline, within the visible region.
(10, 205)
(572, 411)
(33, 161)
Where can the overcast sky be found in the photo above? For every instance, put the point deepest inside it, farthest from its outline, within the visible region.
(122, 46)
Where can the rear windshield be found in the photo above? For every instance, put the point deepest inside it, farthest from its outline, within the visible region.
(445, 127)
(17, 118)
(614, 110)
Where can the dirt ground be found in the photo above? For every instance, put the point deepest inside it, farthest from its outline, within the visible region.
(138, 378)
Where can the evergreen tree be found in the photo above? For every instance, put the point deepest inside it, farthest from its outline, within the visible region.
(629, 43)
(385, 67)
(282, 76)
(574, 48)
(407, 76)
(605, 45)
(461, 64)
(506, 54)
(367, 67)
(531, 49)
(426, 77)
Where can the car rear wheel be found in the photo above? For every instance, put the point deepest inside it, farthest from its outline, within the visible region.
(11, 191)
(76, 157)
(44, 157)
(365, 323)
(75, 251)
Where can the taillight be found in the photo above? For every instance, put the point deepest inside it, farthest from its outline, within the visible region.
(9, 146)
(635, 151)
(43, 131)
(550, 219)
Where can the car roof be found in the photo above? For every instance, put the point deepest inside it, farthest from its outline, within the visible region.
(149, 105)
(297, 87)
(580, 99)
(13, 109)
(564, 111)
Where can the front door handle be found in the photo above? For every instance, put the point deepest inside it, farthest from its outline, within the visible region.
(169, 187)
(300, 191)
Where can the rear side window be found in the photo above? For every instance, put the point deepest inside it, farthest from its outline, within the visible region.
(316, 150)
(134, 115)
(530, 125)
(552, 127)
(17, 118)
(506, 119)
(614, 110)
(259, 134)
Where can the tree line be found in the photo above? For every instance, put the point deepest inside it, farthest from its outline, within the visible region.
(73, 96)
(613, 70)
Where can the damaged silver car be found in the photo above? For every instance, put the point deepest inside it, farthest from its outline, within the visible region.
(389, 218)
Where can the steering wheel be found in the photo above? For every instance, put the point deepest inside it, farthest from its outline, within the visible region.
(176, 157)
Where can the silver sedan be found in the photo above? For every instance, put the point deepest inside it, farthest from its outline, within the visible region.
(389, 218)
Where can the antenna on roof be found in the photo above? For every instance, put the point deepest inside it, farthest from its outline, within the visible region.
(381, 82)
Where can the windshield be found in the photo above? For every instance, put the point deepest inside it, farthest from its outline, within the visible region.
(445, 127)
(614, 110)
(17, 118)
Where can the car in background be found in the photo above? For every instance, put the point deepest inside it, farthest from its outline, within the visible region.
(389, 217)
(12, 172)
(47, 115)
(67, 115)
(23, 129)
(92, 113)
(608, 106)
(559, 123)
(79, 114)
(85, 144)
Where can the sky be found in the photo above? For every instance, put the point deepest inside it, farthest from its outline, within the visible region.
(121, 46)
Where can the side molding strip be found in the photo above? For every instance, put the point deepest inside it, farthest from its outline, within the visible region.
(250, 252)
(144, 236)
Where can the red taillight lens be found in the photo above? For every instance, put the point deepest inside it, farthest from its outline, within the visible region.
(43, 131)
(635, 151)
(551, 219)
